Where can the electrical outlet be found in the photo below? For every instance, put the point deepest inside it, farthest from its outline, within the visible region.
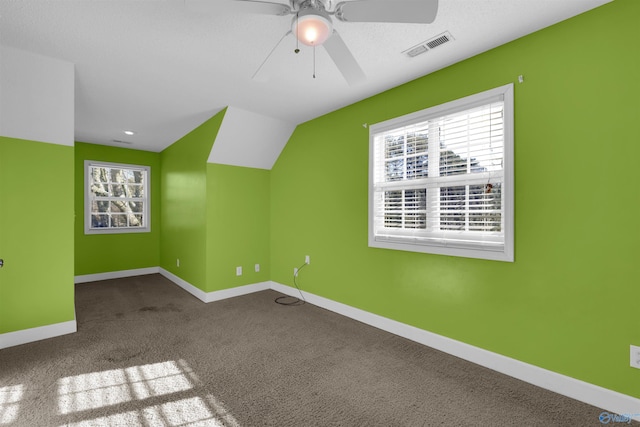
(177, 262)
(238, 271)
(257, 268)
(635, 356)
(307, 259)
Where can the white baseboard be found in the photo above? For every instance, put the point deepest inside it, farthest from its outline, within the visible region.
(600, 397)
(237, 291)
(215, 295)
(115, 274)
(196, 292)
(11, 339)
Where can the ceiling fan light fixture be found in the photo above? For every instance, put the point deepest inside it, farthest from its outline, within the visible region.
(312, 26)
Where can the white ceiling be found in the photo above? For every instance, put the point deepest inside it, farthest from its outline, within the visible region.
(162, 67)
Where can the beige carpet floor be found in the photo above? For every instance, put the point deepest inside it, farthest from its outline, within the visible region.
(149, 354)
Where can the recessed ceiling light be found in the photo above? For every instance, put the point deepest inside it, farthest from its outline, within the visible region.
(129, 132)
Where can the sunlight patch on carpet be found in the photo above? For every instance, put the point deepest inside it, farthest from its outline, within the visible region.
(10, 397)
(91, 391)
(157, 379)
(99, 389)
(192, 411)
(116, 391)
(131, 418)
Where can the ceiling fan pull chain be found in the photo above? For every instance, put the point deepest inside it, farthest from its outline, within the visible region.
(297, 34)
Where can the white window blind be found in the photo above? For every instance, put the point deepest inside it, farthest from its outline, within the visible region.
(438, 179)
(117, 198)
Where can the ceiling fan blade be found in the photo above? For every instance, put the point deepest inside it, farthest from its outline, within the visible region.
(262, 7)
(262, 77)
(402, 11)
(243, 6)
(343, 58)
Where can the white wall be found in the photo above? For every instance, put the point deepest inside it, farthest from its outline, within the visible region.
(36, 97)
(249, 139)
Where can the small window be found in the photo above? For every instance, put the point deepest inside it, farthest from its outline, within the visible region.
(441, 179)
(117, 198)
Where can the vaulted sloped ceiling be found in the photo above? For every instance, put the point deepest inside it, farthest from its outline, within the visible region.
(162, 67)
(249, 139)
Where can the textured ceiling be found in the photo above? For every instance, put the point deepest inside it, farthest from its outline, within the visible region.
(162, 67)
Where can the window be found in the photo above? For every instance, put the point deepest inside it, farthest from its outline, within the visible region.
(441, 179)
(117, 198)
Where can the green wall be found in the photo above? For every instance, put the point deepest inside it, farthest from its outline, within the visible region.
(562, 305)
(237, 225)
(99, 253)
(211, 217)
(36, 234)
(184, 203)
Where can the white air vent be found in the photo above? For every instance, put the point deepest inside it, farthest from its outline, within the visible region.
(438, 41)
(427, 45)
(417, 50)
(119, 141)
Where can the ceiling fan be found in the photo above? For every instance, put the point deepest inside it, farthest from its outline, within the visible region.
(312, 23)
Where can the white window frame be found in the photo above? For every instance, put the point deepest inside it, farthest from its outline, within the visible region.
(146, 211)
(399, 239)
